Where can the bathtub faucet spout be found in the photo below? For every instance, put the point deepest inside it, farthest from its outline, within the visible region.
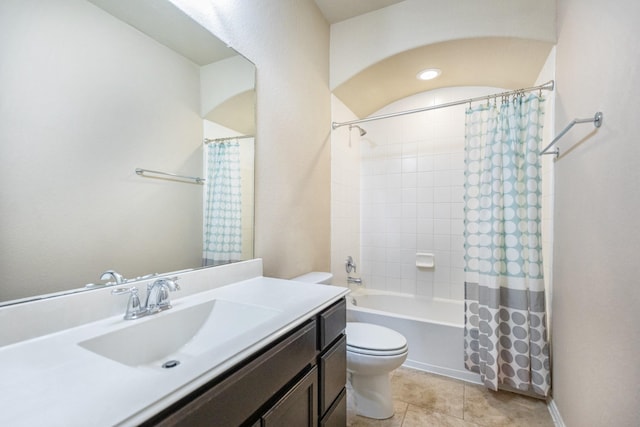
(354, 280)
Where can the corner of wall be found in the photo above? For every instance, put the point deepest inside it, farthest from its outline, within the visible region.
(345, 193)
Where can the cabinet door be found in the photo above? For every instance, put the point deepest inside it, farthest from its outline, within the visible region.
(333, 373)
(298, 407)
(331, 323)
(336, 416)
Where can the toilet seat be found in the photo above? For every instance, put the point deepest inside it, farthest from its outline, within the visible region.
(374, 340)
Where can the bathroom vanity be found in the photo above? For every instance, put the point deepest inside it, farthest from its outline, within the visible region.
(235, 351)
(297, 381)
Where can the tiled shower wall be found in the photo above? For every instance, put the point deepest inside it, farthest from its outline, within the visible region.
(411, 197)
(412, 177)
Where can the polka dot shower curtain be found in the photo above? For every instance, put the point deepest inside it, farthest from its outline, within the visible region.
(505, 321)
(222, 217)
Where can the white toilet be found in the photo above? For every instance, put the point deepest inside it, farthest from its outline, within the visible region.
(373, 351)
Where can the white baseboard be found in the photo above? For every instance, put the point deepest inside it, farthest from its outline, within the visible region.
(555, 414)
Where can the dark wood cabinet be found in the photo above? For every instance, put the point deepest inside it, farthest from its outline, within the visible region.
(297, 407)
(331, 324)
(332, 363)
(336, 415)
(297, 381)
(333, 373)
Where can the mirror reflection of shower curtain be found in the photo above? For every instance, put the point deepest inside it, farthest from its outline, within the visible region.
(222, 222)
(505, 321)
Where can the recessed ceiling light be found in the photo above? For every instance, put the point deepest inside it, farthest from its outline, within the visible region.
(429, 74)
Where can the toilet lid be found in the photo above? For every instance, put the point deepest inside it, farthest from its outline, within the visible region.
(372, 339)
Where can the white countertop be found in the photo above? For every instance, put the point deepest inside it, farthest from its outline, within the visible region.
(51, 380)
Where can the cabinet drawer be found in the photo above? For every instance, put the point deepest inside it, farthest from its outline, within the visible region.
(332, 322)
(333, 373)
(298, 406)
(336, 416)
(242, 393)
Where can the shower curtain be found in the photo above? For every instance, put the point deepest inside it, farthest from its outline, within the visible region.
(505, 321)
(222, 222)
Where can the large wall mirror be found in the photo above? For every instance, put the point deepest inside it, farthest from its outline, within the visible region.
(90, 91)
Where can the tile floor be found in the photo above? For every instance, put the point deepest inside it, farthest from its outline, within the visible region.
(426, 400)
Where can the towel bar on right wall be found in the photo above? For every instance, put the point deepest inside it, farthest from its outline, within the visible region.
(596, 120)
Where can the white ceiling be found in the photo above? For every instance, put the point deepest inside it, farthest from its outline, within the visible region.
(169, 26)
(339, 10)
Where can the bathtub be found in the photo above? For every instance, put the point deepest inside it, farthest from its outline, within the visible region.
(433, 327)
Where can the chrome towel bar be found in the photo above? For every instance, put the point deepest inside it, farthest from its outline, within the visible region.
(195, 179)
(596, 120)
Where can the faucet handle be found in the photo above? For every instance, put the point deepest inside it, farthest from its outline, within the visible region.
(135, 309)
(158, 293)
(349, 265)
(170, 283)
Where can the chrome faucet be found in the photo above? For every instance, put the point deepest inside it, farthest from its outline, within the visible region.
(354, 280)
(158, 294)
(157, 298)
(117, 277)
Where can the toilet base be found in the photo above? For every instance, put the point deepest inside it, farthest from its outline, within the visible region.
(372, 395)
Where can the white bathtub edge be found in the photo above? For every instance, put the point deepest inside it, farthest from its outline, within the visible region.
(466, 376)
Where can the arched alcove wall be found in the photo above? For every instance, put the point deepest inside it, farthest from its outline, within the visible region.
(375, 57)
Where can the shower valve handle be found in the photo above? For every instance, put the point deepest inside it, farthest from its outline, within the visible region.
(349, 265)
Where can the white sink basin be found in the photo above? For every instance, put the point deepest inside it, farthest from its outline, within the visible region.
(178, 334)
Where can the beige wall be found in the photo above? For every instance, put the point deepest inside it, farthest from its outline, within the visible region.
(596, 337)
(288, 40)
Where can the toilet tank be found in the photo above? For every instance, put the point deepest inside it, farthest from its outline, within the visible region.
(315, 277)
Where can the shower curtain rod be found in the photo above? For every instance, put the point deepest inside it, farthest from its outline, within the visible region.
(225, 139)
(547, 86)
